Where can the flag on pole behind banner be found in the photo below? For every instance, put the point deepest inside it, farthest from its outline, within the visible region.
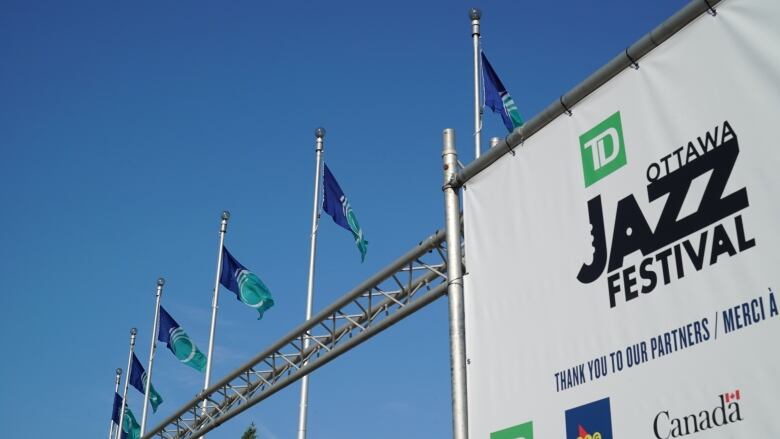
(336, 205)
(247, 287)
(497, 98)
(138, 380)
(179, 342)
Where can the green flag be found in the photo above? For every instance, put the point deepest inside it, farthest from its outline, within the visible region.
(247, 287)
(497, 98)
(336, 205)
(138, 380)
(179, 342)
(130, 425)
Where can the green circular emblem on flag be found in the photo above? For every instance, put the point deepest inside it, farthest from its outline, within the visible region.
(253, 291)
(183, 347)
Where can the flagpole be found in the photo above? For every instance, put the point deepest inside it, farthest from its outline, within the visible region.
(116, 390)
(148, 385)
(319, 133)
(460, 425)
(475, 14)
(214, 301)
(133, 332)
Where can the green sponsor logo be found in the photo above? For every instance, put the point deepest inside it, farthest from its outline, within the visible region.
(522, 431)
(603, 150)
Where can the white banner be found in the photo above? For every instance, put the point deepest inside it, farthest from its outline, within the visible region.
(623, 265)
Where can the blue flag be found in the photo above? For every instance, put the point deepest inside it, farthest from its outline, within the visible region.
(116, 409)
(179, 342)
(497, 98)
(336, 205)
(247, 287)
(138, 380)
(115, 413)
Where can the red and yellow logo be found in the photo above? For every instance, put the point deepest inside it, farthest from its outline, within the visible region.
(585, 435)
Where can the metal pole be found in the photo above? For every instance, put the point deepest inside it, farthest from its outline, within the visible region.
(494, 141)
(214, 301)
(133, 332)
(116, 389)
(455, 289)
(148, 384)
(475, 14)
(319, 134)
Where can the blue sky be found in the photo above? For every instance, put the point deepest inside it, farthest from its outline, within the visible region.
(125, 129)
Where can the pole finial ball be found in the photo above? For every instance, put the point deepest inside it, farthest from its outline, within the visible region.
(160, 281)
(475, 14)
(118, 371)
(225, 215)
(319, 133)
(133, 331)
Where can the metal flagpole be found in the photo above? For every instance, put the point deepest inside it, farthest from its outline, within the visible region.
(319, 134)
(455, 289)
(133, 332)
(214, 301)
(148, 384)
(475, 14)
(116, 389)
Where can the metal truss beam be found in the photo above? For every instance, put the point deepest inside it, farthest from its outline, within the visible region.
(408, 284)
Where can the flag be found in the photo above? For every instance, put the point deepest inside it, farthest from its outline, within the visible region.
(336, 205)
(130, 427)
(116, 409)
(179, 342)
(138, 380)
(245, 284)
(115, 412)
(497, 98)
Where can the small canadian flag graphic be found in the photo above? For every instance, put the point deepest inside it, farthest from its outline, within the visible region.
(731, 396)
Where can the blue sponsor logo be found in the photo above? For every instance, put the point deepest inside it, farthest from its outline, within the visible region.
(590, 421)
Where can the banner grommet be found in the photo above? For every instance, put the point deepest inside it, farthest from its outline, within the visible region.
(710, 9)
(634, 64)
(565, 108)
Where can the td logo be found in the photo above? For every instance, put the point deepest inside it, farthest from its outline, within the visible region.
(603, 150)
(522, 431)
(589, 421)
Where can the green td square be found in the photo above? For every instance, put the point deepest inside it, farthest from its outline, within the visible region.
(603, 150)
(522, 431)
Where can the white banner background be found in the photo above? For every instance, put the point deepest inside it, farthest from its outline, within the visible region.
(527, 234)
